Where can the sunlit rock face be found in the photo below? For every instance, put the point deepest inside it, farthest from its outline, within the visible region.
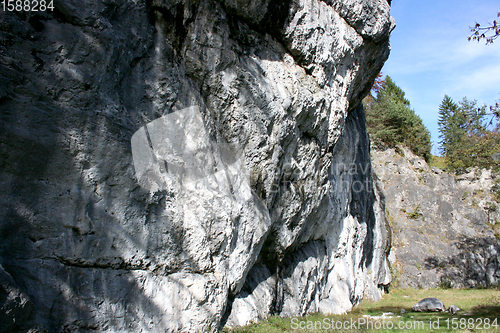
(442, 222)
(187, 165)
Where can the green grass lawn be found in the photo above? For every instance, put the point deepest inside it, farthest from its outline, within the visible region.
(480, 313)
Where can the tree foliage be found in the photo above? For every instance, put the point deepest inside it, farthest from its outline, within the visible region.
(391, 121)
(469, 134)
(488, 33)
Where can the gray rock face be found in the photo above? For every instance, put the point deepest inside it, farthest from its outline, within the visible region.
(442, 227)
(182, 165)
(16, 307)
(430, 304)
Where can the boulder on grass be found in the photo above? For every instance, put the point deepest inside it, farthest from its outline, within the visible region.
(429, 304)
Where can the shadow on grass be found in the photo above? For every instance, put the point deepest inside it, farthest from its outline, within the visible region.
(485, 311)
(477, 311)
(381, 309)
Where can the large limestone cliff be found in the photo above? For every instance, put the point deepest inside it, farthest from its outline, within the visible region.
(444, 225)
(185, 165)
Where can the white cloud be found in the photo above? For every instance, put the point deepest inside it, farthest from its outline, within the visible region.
(482, 83)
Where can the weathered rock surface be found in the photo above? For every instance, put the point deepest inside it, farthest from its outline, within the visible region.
(443, 231)
(182, 165)
(15, 306)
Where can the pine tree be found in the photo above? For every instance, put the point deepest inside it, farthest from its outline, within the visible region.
(449, 125)
(391, 91)
(391, 121)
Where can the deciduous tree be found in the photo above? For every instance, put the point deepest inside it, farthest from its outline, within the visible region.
(488, 33)
(469, 134)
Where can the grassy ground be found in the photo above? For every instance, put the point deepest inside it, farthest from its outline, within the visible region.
(480, 313)
(437, 161)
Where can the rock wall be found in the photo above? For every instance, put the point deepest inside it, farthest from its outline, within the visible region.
(445, 227)
(185, 165)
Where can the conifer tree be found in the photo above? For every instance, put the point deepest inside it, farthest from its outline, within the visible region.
(449, 125)
(391, 121)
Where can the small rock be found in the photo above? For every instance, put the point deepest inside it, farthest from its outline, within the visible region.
(453, 309)
(436, 170)
(385, 315)
(403, 311)
(429, 304)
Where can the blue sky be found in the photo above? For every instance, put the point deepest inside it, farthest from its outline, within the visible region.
(431, 57)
